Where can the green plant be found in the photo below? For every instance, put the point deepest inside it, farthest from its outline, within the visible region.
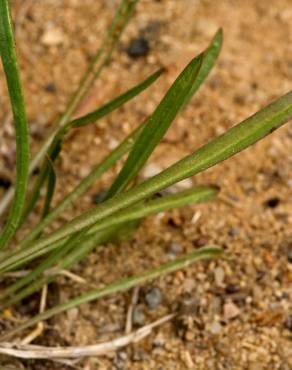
(124, 202)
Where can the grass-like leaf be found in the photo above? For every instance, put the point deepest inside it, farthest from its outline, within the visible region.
(120, 286)
(178, 96)
(156, 126)
(150, 207)
(94, 70)
(117, 102)
(233, 141)
(210, 56)
(8, 55)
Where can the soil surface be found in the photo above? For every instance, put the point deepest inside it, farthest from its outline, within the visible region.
(234, 313)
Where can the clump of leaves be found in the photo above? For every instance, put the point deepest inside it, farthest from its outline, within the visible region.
(124, 203)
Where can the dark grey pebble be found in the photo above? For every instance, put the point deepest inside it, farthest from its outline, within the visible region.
(138, 48)
(153, 298)
(50, 87)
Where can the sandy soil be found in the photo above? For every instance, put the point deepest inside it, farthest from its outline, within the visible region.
(240, 310)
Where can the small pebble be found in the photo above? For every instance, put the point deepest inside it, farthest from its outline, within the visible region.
(5, 183)
(123, 355)
(138, 316)
(184, 184)
(272, 202)
(285, 295)
(52, 37)
(230, 311)
(112, 144)
(151, 170)
(233, 231)
(219, 276)
(190, 335)
(215, 327)
(50, 87)
(181, 185)
(175, 248)
(188, 285)
(153, 298)
(84, 171)
(189, 306)
(159, 340)
(138, 48)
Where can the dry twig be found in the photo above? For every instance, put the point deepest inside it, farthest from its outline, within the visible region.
(51, 353)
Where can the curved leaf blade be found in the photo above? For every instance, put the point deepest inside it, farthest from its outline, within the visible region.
(9, 60)
(192, 196)
(217, 150)
(210, 55)
(156, 126)
(115, 103)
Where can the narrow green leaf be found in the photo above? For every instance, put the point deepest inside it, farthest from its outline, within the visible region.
(120, 286)
(217, 150)
(150, 207)
(97, 65)
(156, 126)
(9, 60)
(233, 141)
(202, 65)
(210, 55)
(191, 196)
(115, 103)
